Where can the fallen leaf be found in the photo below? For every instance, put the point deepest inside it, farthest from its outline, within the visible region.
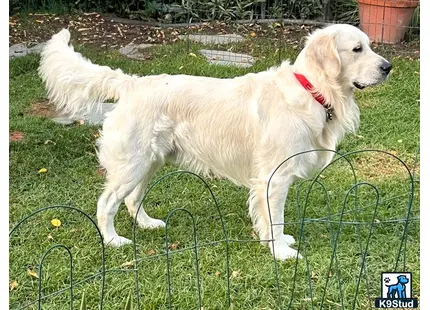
(151, 252)
(101, 171)
(192, 54)
(38, 21)
(400, 140)
(180, 68)
(50, 141)
(13, 285)
(253, 34)
(234, 274)
(217, 274)
(33, 274)
(50, 237)
(43, 170)
(128, 264)
(174, 246)
(56, 222)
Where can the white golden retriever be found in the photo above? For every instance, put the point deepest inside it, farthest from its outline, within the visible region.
(239, 128)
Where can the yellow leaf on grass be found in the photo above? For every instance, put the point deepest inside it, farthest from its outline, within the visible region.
(151, 252)
(13, 285)
(43, 170)
(234, 274)
(192, 54)
(253, 34)
(39, 21)
(56, 222)
(33, 274)
(128, 264)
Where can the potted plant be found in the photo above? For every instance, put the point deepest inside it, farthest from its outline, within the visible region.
(386, 20)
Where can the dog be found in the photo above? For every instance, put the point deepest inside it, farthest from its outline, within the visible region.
(398, 289)
(239, 128)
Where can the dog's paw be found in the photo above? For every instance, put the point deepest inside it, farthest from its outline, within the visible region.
(117, 241)
(152, 223)
(289, 240)
(286, 253)
(281, 250)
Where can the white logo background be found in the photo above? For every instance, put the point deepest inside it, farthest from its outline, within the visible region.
(393, 280)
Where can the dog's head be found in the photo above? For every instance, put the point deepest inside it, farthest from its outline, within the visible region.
(402, 279)
(342, 52)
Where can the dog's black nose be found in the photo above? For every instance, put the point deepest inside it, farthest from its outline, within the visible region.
(386, 67)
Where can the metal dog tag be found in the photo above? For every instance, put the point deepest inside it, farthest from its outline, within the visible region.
(329, 114)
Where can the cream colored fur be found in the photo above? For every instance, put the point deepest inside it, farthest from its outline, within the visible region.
(239, 128)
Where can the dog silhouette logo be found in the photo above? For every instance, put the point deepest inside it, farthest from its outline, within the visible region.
(396, 291)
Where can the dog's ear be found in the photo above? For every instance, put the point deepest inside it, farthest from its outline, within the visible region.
(322, 53)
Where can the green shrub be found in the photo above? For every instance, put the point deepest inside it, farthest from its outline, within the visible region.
(198, 10)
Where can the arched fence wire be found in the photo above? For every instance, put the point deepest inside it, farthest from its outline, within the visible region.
(351, 224)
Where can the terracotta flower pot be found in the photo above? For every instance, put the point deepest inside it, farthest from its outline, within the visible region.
(386, 20)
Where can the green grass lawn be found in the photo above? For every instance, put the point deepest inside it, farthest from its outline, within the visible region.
(389, 122)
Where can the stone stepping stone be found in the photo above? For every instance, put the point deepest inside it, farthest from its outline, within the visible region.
(228, 58)
(95, 116)
(134, 51)
(213, 39)
(20, 49)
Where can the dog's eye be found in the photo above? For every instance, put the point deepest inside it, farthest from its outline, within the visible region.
(357, 49)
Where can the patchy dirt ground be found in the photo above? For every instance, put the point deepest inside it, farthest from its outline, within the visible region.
(16, 136)
(43, 108)
(109, 31)
(378, 165)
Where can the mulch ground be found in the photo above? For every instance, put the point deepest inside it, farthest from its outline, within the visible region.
(109, 31)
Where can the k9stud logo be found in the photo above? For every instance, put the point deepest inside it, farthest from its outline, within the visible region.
(396, 291)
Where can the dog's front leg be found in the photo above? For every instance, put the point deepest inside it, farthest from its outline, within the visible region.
(272, 228)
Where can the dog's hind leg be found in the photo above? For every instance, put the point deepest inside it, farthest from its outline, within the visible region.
(134, 200)
(124, 173)
(117, 188)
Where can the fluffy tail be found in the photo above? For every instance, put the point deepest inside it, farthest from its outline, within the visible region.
(73, 83)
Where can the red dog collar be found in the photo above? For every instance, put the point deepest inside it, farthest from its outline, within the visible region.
(317, 96)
